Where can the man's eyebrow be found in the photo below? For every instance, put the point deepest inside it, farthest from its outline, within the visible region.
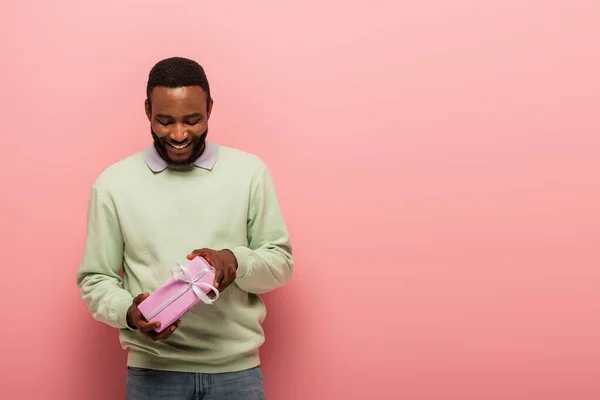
(194, 115)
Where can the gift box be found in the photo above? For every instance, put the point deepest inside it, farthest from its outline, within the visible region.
(188, 286)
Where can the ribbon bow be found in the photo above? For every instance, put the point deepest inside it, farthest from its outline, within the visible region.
(180, 272)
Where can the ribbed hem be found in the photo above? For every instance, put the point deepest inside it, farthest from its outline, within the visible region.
(145, 360)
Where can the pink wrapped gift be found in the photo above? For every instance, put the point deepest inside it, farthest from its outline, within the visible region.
(188, 286)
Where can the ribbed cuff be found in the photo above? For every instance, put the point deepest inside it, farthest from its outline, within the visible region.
(121, 314)
(243, 254)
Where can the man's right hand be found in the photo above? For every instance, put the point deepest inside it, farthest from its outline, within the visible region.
(137, 321)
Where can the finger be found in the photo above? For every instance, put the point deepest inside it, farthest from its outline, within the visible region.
(196, 253)
(206, 256)
(145, 326)
(218, 278)
(229, 268)
(227, 274)
(139, 298)
(136, 318)
(225, 279)
(224, 282)
(164, 334)
(231, 273)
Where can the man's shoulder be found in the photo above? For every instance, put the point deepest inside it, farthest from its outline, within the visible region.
(238, 158)
(120, 171)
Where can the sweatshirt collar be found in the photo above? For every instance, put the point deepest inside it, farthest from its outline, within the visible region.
(207, 159)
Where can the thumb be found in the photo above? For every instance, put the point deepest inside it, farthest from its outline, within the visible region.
(198, 253)
(139, 298)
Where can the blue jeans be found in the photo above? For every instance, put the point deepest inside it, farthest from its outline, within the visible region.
(150, 384)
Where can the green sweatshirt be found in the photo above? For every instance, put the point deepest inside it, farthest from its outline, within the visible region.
(143, 217)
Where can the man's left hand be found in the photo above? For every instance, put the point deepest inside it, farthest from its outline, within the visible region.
(223, 261)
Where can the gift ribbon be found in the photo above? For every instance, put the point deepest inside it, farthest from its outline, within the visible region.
(181, 273)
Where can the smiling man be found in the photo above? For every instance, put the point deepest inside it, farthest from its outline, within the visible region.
(183, 197)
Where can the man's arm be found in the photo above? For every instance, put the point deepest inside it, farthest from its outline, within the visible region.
(266, 263)
(98, 277)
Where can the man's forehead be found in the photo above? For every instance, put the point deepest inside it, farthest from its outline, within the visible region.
(191, 98)
(183, 92)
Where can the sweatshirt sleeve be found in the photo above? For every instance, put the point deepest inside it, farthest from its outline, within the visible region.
(98, 276)
(266, 263)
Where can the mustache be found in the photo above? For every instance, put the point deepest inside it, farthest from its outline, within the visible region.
(165, 139)
(198, 143)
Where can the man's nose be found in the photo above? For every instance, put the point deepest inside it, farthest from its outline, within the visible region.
(179, 133)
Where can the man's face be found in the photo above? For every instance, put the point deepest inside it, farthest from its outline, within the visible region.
(179, 122)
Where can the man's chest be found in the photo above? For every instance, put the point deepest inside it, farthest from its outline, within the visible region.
(207, 215)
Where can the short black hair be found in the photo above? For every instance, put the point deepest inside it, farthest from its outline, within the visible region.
(177, 72)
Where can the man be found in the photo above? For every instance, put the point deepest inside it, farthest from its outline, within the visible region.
(180, 198)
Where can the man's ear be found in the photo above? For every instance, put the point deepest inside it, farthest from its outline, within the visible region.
(148, 110)
(210, 105)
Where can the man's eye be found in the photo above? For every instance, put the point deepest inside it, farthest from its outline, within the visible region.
(194, 122)
(164, 123)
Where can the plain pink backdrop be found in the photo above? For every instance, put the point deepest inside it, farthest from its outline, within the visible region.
(437, 162)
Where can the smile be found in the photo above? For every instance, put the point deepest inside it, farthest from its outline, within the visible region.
(179, 147)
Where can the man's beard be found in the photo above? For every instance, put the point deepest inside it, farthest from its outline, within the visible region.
(198, 144)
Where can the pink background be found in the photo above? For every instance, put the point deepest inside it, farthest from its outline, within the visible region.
(437, 162)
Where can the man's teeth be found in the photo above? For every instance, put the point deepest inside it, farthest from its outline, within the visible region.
(180, 147)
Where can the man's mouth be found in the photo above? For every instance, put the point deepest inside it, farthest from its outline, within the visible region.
(179, 147)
